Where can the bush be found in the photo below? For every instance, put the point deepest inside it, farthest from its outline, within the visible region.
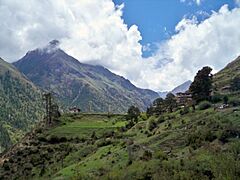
(53, 139)
(103, 142)
(204, 105)
(161, 155)
(183, 111)
(161, 119)
(151, 124)
(42, 138)
(147, 155)
(216, 98)
(234, 102)
(143, 117)
(230, 132)
(225, 99)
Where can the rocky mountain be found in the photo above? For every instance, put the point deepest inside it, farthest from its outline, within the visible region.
(20, 102)
(163, 94)
(181, 88)
(76, 84)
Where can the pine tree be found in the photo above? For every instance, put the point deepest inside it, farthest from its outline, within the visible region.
(202, 85)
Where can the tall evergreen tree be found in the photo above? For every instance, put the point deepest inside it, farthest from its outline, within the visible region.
(202, 85)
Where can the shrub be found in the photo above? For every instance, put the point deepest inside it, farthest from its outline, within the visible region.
(183, 111)
(147, 155)
(130, 124)
(161, 155)
(143, 117)
(151, 124)
(53, 139)
(42, 138)
(225, 99)
(204, 105)
(216, 98)
(161, 119)
(230, 132)
(234, 102)
(103, 142)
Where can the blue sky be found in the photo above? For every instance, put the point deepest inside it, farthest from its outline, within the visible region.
(156, 19)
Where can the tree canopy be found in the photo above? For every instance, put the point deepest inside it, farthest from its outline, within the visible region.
(202, 85)
(133, 113)
(170, 102)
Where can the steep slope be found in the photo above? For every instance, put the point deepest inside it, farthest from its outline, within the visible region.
(82, 85)
(223, 78)
(20, 104)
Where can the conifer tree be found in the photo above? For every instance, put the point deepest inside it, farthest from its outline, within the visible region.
(202, 85)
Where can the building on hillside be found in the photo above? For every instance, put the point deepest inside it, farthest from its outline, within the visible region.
(226, 89)
(74, 110)
(184, 99)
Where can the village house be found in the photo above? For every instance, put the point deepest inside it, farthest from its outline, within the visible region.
(184, 99)
(74, 110)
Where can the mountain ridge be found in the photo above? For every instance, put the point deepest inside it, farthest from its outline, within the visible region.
(78, 84)
(180, 88)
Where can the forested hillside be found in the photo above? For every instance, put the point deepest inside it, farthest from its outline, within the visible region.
(21, 105)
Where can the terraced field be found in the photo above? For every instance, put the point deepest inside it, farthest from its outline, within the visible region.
(83, 125)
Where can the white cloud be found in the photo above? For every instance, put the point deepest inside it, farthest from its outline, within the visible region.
(213, 42)
(94, 32)
(190, 2)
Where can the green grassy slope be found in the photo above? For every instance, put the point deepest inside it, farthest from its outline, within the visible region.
(224, 77)
(197, 145)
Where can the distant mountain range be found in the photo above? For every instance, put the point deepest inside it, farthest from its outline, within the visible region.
(181, 88)
(20, 104)
(83, 85)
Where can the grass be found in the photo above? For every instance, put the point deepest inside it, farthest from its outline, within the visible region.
(138, 153)
(84, 125)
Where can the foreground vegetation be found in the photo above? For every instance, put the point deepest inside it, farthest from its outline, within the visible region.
(203, 144)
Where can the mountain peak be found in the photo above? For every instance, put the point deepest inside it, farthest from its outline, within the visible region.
(51, 47)
(54, 43)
